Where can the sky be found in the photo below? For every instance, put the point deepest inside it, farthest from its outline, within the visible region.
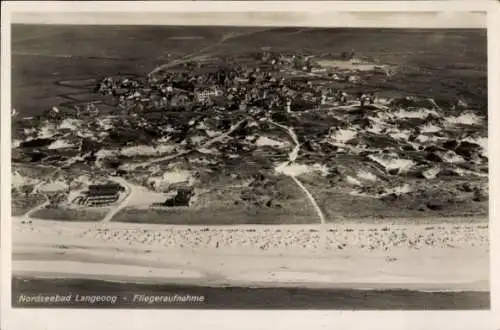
(329, 18)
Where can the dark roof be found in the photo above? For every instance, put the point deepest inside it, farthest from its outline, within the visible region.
(109, 186)
(94, 193)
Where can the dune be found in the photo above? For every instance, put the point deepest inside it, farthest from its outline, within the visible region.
(451, 157)
(266, 141)
(400, 190)
(46, 131)
(105, 153)
(431, 173)
(30, 131)
(16, 143)
(60, 144)
(17, 180)
(145, 150)
(393, 162)
(353, 181)
(70, 124)
(421, 113)
(105, 123)
(53, 186)
(292, 169)
(467, 118)
(343, 135)
(365, 175)
(430, 128)
(403, 135)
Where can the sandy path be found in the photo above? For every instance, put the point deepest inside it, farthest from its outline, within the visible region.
(133, 193)
(124, 203)
(204, 145)
(28, 214)
(191, 56)
(292, 157)
(311, 199)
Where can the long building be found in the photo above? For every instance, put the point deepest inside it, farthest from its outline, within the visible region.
(99, 195)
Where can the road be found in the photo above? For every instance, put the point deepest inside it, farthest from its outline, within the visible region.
(27, 215)
(191, 56)
(207, 144)
(130, 189)
(36, 188)
(292, 157)
(124, 203)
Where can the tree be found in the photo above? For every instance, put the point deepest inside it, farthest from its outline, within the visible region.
(27, 190)
(346, 56)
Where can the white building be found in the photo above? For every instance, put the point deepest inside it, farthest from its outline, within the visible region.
(203, 95)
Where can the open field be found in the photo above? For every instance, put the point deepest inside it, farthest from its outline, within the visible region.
(56, 53)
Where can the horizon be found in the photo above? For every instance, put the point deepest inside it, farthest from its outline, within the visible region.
(332, 19)
(255, 26)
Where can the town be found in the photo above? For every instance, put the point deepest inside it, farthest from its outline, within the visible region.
(267, 81)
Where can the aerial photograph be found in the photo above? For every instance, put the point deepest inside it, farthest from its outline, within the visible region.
(249, 167)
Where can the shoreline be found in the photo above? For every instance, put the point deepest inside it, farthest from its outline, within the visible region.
(258, 255)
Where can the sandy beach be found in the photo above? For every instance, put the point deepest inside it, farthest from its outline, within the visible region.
(419, 257)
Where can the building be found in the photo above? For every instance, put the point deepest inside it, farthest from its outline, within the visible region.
(100, 199)
(108, 187)
(205, 94)
(182, 198)
(179, 100)
(101, 195)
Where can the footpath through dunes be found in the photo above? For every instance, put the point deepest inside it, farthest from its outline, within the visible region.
(207, 144)
(403, 257)
(289, 168)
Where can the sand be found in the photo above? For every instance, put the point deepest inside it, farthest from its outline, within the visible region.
(60, 144)
(368, 176)
(344, 135)
(266, 141)
(351, 65)
(53, 187)
(467, 118)
(438, 257)
(393, 162)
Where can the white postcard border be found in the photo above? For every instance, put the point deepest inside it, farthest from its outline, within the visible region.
(13, 319)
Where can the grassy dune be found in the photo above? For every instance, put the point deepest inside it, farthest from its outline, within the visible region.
(66, 214)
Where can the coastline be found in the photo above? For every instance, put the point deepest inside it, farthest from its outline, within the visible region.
(146, 254)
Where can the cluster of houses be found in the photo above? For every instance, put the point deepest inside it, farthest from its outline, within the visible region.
(262, 80)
